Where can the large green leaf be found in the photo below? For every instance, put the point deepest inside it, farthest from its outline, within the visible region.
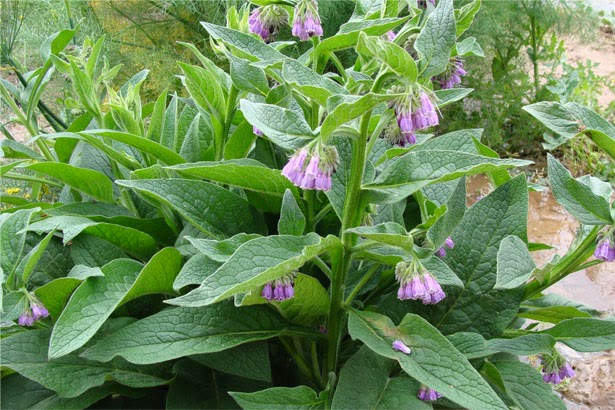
(96, 299)
(180, 331)
(195, 271)
(13, 238)
(585, 334)
(282, 126)
(243, 173)
(247, 77)
(436, 39)
(309, 82)
(478, 307)
(419, 168)
(88, 181)
(245, 45)
(255, 263)
(434, 361)
(250, 360)
(348, 35)
(515, 264)
(579, 199)
(391, 55)
(310, 305)
(26, 353)
(204, 89)
(572, 119)
(297, 398)
(292, 220)
(365, 382)
(211, 208)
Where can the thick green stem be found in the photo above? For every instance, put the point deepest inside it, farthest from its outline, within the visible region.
(567, 265)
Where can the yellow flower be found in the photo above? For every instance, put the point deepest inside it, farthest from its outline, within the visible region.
(12, 191)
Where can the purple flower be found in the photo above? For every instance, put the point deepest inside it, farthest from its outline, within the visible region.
(257, 132)
(404, 121)
(427, 394)
(280, 290)
(448, 243)
(307, 23)
(400, 346)
(452, 76)
(293, 170)
(555, 369)
(390, 36)
(425, 116)
(26, 319)
(605, 250)
(266, 21)
(434, 291)
(267, 291)
(317, 174)
(39, 311)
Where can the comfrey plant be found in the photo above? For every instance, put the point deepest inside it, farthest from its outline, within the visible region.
(292, 233)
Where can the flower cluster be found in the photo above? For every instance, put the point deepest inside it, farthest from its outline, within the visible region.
(281, 289)
(312, 170)
(416, 284)
(427, 394)
(605, 250)
(400, 346)
(266, 21)
(35, 311)
(307, 22)
(452, 76)
(413, 115)
(448, 243)
(555, 369)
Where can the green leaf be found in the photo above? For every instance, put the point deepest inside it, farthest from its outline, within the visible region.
(96, 299)
(88, 181)
(255, 263)
(195, 271)
(310, 304)
(390, 233)
(455, 210)
(419, 168)
(282, 126)
(241, 142)
(554, 314)
(310, 83)
(26, 353)
(19, 392)
(341, 177)
(245, 45)
(211, 208)
(434, 361)
(14, 149)
(446, 97)
(169, 125)
(220, 251)
(298, 398)
(13, 238)
(579, 199)
(436, 40)
(469, 46)
(465, 17)
(204, 88)
(244, 173)
(365, 383)
(29, 262)
(55, 43)
(572, 119)
(292, 221)
(250, 360)
(352, 107)
(390, 54)
(585, 334)
(348, 35)
(479, 307)
(515, 264)
(247, 77)
(189, 331)
(55, 294)
(525, 386)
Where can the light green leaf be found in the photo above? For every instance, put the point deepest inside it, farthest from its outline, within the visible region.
(244, 173)
(446, 97)
(553, 314)
(310, 304)
(88, 181)
(309, 82)
(348, 35)
(465, 17)
(244, 45)
(390, 233)
(247, 77)
(585, 334)
(195, 271)
(13, 237)
(292, 221)
(469, 46)
(282, 126)
(296, 398)
(436, 40)
(211, 208)
(189, 331)
(578, 199)
(515, 264)
(434, 361)
(55, 294)
(255, 263)
(390, 54)
(26, 353)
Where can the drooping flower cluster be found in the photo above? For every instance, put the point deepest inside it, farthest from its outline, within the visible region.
(281, 289)
(555, 369)
(452, 76)
(266, 21)
(414, 114)
(307, 22)
(427, 394)
(312, 170)
(417, 284)
(400, 346)
(605, 250)
(33, 312)
(448, 243)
